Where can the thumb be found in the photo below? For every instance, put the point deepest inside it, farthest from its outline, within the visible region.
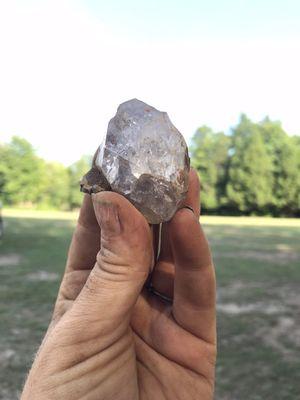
(123, 262)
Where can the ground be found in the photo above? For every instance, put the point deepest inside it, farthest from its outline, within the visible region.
(258, 271)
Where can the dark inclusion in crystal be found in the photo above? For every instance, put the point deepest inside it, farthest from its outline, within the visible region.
(144, 158)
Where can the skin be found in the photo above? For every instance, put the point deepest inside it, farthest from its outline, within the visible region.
(110, 337)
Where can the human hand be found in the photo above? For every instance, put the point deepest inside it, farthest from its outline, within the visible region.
(111, 337)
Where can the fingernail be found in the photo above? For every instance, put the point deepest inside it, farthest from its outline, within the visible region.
(108, 217)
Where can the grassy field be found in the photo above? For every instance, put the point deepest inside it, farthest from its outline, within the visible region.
(258, 270)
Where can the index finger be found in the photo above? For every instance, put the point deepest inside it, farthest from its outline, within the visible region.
(82, 255)
(163, 275)
(194, 286)
(85, 242)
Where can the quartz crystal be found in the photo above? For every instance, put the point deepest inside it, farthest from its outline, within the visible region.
(144, 158)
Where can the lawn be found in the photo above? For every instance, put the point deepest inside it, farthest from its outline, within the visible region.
(258, 271)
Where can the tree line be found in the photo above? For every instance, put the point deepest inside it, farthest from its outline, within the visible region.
(253, 170)
(27, 180)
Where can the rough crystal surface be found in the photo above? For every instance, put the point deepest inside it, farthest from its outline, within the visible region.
(143, 157)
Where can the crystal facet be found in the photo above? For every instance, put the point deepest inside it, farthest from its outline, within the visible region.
(144, 158)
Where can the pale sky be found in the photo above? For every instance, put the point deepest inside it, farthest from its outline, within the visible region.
(65, 66)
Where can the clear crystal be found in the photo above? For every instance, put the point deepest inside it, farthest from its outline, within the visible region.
(144, 157)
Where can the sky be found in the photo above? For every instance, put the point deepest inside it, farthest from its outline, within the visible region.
(66, 65)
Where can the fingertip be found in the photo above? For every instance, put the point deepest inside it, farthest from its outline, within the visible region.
(188, 241)
(106, 196)
(107, 213)
(193, 194)
(118, 207)
(87, 216)
(194, 179)
(181, 223)
(183, 215)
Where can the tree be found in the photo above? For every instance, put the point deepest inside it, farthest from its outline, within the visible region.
(256, 169)
(209, 154)
(284, 153)
(76, 172)
(21, 172)
(3, 169)
(250, 180)
(56, 186)
(27, 179)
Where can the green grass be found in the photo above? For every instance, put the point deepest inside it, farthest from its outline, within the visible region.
(258, 271)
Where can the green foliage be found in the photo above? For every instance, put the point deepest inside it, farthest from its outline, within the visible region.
(56, 186)
(76, 172)
(249, 186)
(20, 172)
(3, 168)
(209, 152)
(284, 153)
(27, 180)
(254, 170)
